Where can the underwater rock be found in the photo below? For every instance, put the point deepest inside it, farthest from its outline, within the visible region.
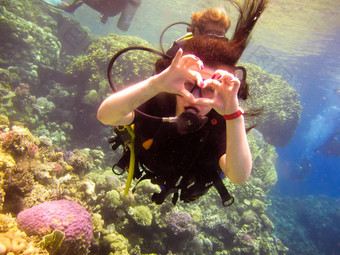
(66, 216)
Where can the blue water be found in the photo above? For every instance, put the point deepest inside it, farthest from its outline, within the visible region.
(319, 121)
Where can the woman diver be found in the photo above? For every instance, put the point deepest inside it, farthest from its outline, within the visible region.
(202, 80)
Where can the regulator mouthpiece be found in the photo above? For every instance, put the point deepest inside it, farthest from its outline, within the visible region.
(190, 121)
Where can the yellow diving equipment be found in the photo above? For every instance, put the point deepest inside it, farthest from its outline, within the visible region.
(131, 144)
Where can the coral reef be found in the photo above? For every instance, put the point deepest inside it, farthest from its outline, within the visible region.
(315, 220)
(54, 91)
(118, 244)
(52, 242)
(141, 214)
(181, 223)
(280, 102)
(31, 45)
(15, 242)
(67, 216)
(88, 72)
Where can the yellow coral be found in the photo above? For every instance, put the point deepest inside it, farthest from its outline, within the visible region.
(6, 161)
(15, 242)
(141, 214)
(118, 243)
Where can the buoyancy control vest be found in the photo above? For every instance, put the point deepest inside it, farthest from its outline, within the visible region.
(183, 165)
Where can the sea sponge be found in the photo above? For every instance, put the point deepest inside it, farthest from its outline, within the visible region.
(66, 216)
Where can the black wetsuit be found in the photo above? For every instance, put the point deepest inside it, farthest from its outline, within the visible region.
(176, 159)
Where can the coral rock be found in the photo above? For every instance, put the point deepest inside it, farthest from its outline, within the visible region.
(66, 216)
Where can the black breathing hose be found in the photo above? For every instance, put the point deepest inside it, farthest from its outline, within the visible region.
(165, 29)
(115, 56)
(189, 121)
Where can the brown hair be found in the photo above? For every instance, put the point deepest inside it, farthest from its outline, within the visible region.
(216, 16)
(215, 51)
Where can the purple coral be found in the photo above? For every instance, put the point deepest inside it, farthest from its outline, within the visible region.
(64, 215)
(181, 223)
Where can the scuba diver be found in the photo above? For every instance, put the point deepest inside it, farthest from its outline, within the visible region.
(107, 8)
(185, 123)
(213, 21)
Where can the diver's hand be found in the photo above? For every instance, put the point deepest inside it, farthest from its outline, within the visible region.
(226, 85)
(172, 79)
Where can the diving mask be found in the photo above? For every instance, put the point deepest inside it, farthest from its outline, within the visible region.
(193, 88)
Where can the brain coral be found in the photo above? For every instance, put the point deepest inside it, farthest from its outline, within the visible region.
(66, 216)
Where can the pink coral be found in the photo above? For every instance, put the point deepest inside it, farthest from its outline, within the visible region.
(64, 215)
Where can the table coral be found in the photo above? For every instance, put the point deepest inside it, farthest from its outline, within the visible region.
(66, 216)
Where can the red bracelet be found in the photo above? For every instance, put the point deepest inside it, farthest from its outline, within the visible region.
(234, 115)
